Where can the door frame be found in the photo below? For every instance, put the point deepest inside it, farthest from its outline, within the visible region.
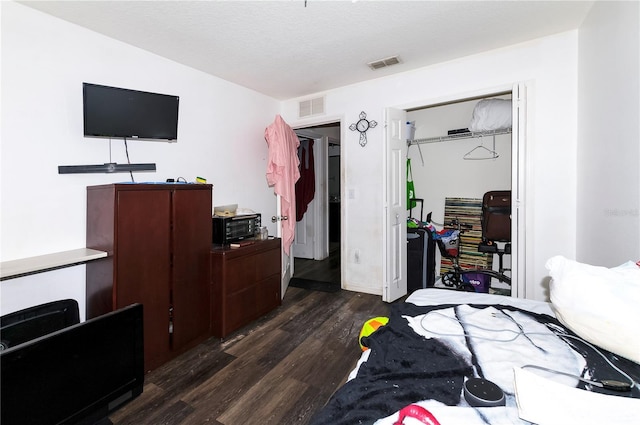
(521, 97)
(519, 244)
(338, 120)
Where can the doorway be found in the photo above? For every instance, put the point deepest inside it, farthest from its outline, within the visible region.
(441, 168)
(316, 247)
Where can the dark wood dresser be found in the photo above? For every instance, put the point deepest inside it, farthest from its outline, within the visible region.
(245, 284)
(158, 238)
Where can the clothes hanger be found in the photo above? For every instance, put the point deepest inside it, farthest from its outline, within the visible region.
(488, 153)
(485, 153)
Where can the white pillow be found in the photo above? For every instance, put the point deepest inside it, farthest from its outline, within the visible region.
(491, 114)
(599, 304)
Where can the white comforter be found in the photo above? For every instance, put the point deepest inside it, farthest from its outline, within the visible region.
(502, 342)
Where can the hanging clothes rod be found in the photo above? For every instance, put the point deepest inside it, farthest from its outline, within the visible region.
(458, 136)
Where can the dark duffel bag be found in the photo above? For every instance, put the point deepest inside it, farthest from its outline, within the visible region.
(496, 216)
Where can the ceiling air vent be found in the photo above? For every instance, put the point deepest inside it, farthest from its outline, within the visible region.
(393, 60)
(311, 107)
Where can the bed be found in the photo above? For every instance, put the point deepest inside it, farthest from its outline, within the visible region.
(423, 362)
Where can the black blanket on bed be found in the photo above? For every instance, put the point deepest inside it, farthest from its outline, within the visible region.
(405, 367)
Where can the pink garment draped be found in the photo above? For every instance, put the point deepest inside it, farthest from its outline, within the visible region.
(283, 172)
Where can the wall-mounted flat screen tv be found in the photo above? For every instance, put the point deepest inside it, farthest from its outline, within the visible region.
(130, 114)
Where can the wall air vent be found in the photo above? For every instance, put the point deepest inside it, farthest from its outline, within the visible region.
(311, 107)
(382, 63)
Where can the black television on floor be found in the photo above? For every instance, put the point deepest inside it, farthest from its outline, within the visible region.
(76, 375)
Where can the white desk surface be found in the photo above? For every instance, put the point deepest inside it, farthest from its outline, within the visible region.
(40, 263)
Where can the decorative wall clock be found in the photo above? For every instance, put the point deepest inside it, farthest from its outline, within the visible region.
(362, 126)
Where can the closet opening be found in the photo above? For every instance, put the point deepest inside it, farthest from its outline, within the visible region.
(457, 155)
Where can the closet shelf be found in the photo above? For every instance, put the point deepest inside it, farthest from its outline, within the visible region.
(459, 136)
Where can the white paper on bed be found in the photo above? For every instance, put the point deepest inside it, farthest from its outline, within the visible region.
(598, 304)
(545, 402)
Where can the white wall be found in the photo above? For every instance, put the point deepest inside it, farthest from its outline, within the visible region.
(608, 214)
(549, 67)
(44, 62)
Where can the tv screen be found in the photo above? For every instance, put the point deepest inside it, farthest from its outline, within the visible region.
(76, 375)
(122, 113)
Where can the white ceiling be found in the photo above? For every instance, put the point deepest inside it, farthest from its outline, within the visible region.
(293, 48)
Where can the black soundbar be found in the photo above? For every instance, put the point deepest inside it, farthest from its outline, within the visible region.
(110, 167)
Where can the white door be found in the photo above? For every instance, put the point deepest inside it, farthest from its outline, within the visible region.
(303, 244)
(287, 264)
(395, 210)
(311, 239)
(518, 224)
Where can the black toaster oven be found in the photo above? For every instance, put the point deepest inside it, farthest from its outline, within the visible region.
(233, 229)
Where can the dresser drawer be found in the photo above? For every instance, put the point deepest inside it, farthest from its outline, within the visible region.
(245, 284)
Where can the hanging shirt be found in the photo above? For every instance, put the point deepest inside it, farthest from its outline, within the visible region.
(306, 186)
(283, 172)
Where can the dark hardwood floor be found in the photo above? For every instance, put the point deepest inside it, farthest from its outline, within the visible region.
(327, 270)
(280, 369)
